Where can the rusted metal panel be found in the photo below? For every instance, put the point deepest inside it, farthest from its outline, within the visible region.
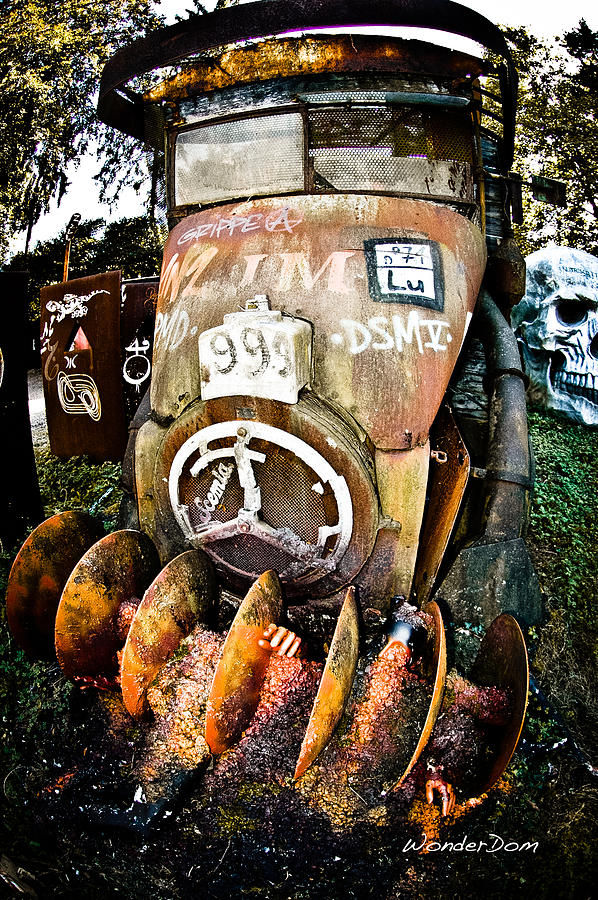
(180, 596)
(312, 55)
(138, 313)
(116, 570)
(238, 678)
(39, 574)
(502, 661)
(20, 501)
(402, 478)
(335, 686)
(449, 474)
(147, 456)
(388, 284)
(80, 350)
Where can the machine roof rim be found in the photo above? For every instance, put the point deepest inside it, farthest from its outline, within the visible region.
(122, 108)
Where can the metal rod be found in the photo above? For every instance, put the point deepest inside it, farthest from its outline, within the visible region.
(71, 230)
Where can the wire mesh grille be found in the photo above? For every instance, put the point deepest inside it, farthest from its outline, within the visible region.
(263, 154)
(292, 495)
(396, 131)
(390, 149)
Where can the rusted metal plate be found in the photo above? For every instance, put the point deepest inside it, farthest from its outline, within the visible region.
(449, 474)
(311, 55)
(235, 690)
(435, 668)
(138, 314)
(20, 501)
(380, 278)
(335, 686)
(116, 569)
(80, 344)
(402, 478)
(502, 661)
(180, 596)
(39, 574)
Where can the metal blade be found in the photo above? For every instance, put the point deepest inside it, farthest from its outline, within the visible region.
(118, 568)
(335, 686)
(180, 596)
(39, 574)
(238, 678)
(435, 670)
(502, 661)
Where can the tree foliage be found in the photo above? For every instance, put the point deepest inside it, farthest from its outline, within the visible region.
(51, 55)
(133, 245)
(558, 133)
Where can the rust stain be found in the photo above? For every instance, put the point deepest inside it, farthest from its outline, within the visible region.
(182, 595)
(120, 566)
(449, 474)
(310, 56)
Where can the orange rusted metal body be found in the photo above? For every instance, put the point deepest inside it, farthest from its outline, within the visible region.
(322, 259)
(332, 200)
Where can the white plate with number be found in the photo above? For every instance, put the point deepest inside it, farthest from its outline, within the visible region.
(258, 353)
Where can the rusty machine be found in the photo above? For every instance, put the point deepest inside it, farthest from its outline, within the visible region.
(335, 429)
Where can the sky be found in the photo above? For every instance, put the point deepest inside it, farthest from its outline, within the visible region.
(542, 17)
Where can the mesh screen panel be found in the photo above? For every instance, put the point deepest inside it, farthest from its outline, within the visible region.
(387, 149)
(264, 154)
(401, 131)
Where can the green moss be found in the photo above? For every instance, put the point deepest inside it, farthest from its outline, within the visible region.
(234, 820)
(255, 790)
(77, 483)
(564, 518)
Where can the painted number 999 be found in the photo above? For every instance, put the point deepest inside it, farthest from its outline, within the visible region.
(253, 349)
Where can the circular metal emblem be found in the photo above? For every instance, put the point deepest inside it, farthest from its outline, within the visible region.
(256, 497)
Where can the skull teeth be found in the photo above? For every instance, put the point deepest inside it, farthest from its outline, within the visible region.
(577, 384)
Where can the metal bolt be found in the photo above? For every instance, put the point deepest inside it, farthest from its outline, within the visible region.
(244, 527)
(241, 432)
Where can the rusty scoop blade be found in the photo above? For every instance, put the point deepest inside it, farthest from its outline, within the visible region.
(502, 661)
(239, 675)
(39, 574)
(435, 671)
(335, 686)
(118, 568)
(180, 596)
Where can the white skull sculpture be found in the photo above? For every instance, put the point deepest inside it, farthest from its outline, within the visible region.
(556, 324)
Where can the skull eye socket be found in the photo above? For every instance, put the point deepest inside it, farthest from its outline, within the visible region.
(571, 312)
